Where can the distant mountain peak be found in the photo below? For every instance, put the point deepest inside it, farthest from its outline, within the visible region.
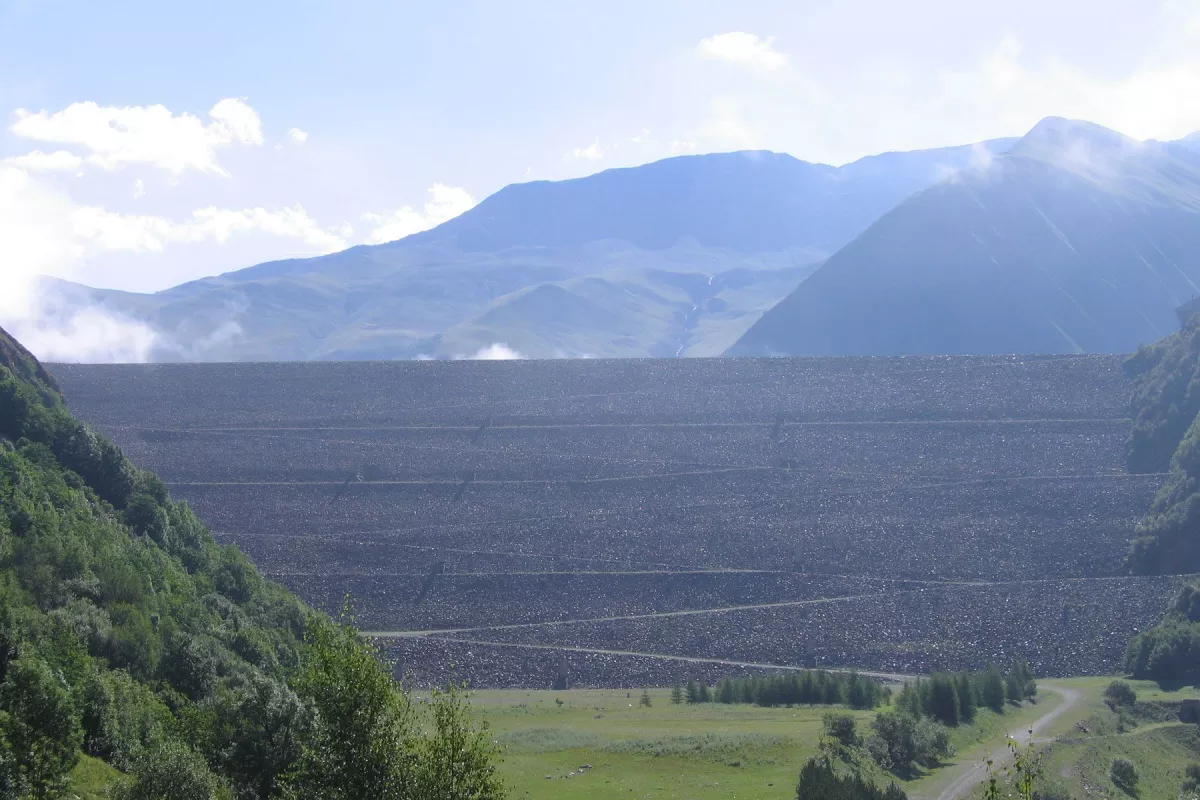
(1078, 146)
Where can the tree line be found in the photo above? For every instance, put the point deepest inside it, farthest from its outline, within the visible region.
(954, 698)
(808, 687)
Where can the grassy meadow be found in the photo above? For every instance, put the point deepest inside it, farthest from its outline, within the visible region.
(603, 743)
(682, 751)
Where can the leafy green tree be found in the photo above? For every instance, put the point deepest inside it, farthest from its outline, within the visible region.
(1019, 684)
(841, 728)
(457, 760)
(258, 735)
(677, 693)
(173, 771)
(644, 700)
(902, 741)
(39, 727)
(363, 742)
(121, 718)
(1169, 651)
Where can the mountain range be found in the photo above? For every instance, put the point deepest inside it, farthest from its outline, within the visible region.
(1077, 239)
(675, 258)
(1073, 238)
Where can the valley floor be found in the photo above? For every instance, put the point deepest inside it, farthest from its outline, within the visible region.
(603, 743)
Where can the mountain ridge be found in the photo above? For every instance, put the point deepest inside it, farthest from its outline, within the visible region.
(1076, 240)
(442, 293)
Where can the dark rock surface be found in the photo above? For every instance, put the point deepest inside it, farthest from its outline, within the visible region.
(950, 510)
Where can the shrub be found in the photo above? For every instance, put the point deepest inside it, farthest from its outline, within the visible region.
(1120, 694)
(841, 728)
(1054, 792)
(1191, 780)
(175, 771)
(820, 781)
(1170, 651)
(1124, 774)
(902, 741)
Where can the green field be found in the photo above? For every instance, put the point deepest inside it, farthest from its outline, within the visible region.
(679, 751)
(602, 743)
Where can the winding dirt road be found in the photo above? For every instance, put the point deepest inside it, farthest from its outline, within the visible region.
(976, 773)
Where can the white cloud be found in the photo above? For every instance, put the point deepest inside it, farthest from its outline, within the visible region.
(139, 188)
(744, 48)
(836, 117)
(115, 136)
(46, 233)
(589, 153)
(298, 136)
(445, 202)
(36, 228)
(496, 352)
(89, 334)
(103, 230)
(37, 161)
(682, 146)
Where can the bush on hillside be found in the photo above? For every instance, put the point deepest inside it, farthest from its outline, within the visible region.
(1124, 775)
(902, 742)
(820, 781)
(1119, 694)
(1169, 651)
(841, 728)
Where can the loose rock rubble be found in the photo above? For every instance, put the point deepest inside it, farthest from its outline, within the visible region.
(469, 496)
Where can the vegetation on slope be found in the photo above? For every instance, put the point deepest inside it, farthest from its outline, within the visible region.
(1125, 742)
(1170, 651)
(1166, 436)
(129, 635)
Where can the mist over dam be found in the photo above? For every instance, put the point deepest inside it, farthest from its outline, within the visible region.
(636, 521)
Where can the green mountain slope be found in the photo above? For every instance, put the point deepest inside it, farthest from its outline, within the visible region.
(129, 635)
(1076, 240)
(1166, 437)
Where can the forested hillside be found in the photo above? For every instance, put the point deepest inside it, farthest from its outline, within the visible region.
(127, 634)
(1166, 437)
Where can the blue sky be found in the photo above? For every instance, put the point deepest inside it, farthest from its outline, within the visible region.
(342, 123)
